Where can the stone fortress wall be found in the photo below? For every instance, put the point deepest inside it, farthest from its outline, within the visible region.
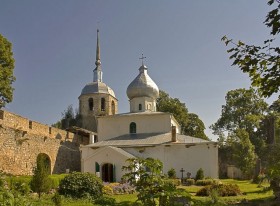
(22, 140)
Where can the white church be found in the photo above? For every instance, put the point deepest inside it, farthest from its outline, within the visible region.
(143, 132)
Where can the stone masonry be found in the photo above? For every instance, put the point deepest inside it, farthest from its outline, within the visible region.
(22, 140)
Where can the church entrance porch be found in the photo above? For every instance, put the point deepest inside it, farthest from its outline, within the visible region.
(108, 172)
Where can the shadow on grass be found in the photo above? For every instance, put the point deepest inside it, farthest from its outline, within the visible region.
(264, 190)
(267, 201)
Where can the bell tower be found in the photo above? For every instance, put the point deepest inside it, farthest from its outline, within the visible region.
(96, 99)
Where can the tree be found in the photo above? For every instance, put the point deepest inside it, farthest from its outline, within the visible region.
(244, 109)
(146, 175)
(242, 115)
(261, 63)
(273, 168)
(40, 181)
(7, 64)
(189, 122)
(243, 153)
(195, 127)
(69, 119)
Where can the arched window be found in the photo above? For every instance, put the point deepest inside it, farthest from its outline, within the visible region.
(113, 107)
(132, 128)
(90, 104)
(102, 104)
(140, 107)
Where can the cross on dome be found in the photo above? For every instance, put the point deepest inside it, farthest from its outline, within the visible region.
(142, 58)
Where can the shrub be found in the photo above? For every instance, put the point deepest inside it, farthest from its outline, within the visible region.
(199, 174)
(189, 182)
(40, 181)
(57, 199)
(19, 186)
(175, 182)
(171, 173)
(105, 201)
(118, 188)
(205, 191)
(56, 180)
(204, 182)
(229, 190)
(107, 189)
(79, 185)
(222, 190)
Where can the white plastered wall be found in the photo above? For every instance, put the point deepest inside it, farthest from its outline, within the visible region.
(179, 156)
(103, 156)
(114, 126)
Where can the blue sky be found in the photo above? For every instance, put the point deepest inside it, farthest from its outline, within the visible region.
(54, 48)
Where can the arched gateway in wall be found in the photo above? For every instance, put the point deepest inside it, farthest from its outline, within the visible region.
(46, 161)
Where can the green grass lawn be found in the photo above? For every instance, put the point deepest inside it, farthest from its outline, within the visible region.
(253, 194)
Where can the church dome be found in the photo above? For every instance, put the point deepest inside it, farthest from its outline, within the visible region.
(97, 87)
(142, 86)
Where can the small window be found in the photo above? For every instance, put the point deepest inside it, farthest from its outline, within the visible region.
(102, 104)
(30, 124)
(140, 107)
(90, 104)
(132, 128)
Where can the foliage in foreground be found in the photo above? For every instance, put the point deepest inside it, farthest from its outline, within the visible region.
(146, 176)
(261, 63)
(79, 185)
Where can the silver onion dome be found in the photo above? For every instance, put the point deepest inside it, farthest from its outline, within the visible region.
(97, 87)
(142, 86)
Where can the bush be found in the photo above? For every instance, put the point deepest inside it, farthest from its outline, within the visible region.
(204, 182)
(118, 188)
(105, 201)
(222, 190)
(79, 185)
(107, 190)
(171, 173)
(57, 200)
(175, 182)
(189, 182)
(199, 174)
(56, 180)
(19, 186)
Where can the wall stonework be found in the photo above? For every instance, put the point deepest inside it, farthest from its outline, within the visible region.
(21, 143)
(88, 116)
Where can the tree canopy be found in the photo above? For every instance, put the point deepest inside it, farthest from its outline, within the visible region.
(7, 64)
(244, 109)
(189, 122)
(241, 128)
(261, 63)
(69, 118)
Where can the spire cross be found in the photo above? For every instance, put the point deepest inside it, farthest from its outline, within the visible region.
(142, 58)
